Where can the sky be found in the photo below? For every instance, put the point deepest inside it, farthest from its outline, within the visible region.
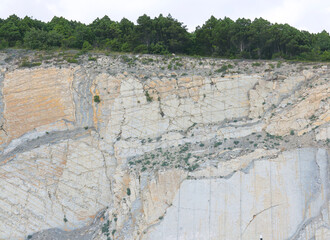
(310, 15)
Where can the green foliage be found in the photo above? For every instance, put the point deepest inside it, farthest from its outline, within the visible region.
(39, 39)
(35, 39)
(54, 39)
(9, 30)
(105, 228)
(162, 34)
(141, 49)
(222, 69)
(3, 44)
(148, 97)
(322, 41)
(128, 191)
(243, 38)
(158, 48)
(217, 144)
(312, 118)
(72, 60)
(86, 46)
(325, 56)
(97, 99)
(91, 59)
(193, 167)
(28, 64)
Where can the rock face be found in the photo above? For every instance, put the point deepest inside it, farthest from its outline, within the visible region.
(152, 147)
(37, 98)
(253, 201)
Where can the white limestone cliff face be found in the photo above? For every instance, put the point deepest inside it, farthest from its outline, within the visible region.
(40, 188)
(275, 198)
(189, 154)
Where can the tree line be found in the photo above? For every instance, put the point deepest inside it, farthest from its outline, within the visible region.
(243, 38)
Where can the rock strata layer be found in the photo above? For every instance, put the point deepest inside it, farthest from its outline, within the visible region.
(152, 147)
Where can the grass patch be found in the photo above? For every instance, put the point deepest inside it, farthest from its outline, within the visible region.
(29, 64)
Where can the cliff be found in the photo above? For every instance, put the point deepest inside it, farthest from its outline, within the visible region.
(152, 147)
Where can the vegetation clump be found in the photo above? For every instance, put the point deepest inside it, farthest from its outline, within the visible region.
(243, 38)
(27, 64)
(97, 99)
(148, 97)
(224, 68)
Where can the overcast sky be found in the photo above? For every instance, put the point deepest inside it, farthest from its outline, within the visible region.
(311, 15)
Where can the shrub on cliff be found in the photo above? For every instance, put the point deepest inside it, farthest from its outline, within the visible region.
(97, 99)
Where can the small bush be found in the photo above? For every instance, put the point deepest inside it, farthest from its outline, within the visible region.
(128, 191)
(312, 118)
(125, 58)
(164, 164)
(149, 98)
(97, 99)
(217, 144)
(178, 64)
(222, 69)
(105, 228)
(193, 167)
(72, 60)
(146, 60)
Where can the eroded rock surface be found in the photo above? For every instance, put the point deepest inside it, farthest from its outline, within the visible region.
(253, 201)
(151, 147)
